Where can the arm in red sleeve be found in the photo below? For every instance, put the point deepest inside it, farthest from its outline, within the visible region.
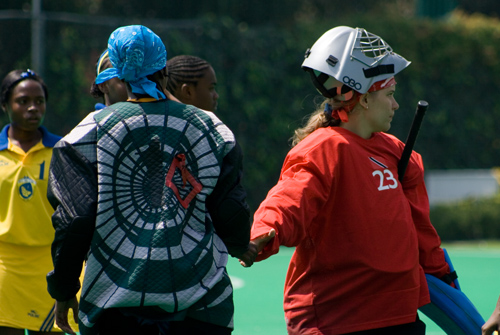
(431, 254)
(290, 206)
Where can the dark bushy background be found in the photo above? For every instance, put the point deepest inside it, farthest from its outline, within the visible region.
(257, 48)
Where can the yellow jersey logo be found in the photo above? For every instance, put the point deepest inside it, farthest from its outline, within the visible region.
(26, 187)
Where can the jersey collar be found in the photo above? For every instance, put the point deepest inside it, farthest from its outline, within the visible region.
(48, 139)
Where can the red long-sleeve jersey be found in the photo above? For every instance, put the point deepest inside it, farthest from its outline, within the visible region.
(363, 239)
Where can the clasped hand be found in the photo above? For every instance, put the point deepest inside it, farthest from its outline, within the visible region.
(255, 247)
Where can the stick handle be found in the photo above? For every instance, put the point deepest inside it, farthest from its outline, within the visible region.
(412, 137)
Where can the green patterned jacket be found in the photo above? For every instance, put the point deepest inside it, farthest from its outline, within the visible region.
(149, 194)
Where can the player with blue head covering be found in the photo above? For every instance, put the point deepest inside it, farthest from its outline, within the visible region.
(110, 91)
(148, 193)
(135, 52)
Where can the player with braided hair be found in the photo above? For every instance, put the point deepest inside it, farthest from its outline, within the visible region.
(192, 80)
(148, 194)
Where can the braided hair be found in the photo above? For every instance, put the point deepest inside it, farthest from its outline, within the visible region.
(185, 69)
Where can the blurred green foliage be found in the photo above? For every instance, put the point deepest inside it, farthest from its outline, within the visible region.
(264, 95)
(470, 219)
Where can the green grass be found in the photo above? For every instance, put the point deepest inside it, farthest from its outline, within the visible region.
(258, 291)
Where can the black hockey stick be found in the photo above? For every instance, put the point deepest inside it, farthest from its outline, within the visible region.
(412, 136)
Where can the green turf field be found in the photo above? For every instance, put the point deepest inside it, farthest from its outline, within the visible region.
(258, 293)
(259, 290)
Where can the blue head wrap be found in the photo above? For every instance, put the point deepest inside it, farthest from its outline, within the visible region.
(135, 52)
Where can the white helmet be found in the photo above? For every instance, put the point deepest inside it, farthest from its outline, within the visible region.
(355, 58)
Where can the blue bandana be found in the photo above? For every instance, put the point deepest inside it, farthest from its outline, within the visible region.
(135, 52)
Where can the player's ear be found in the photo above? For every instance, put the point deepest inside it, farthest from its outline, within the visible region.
(363, 101)
(103, 87)
(186, 92)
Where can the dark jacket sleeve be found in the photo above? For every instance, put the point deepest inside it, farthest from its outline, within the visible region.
(227, 205)
(72, 192)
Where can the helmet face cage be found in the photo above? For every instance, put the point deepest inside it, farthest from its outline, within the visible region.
(355, 58)
(369, 46)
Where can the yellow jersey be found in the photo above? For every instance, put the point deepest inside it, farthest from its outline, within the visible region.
(25, 214)
(26, 235)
